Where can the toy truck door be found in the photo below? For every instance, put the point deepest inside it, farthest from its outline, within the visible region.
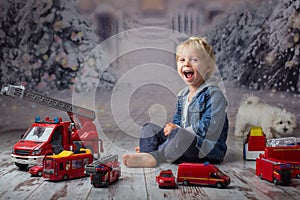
(212, 179)
(56, 140)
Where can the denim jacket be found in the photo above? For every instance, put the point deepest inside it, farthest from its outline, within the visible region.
(207, 118)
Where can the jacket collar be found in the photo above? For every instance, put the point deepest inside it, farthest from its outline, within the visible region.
(212, 81)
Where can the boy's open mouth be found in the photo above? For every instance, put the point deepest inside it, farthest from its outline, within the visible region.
(188, 74)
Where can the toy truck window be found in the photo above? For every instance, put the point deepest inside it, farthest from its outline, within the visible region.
(213, 175)
(68, 165)
(49, 166)
(219, 173)
(86, 161)
(76, 164)
(61, 166)
(36, 133)
(48, 163)
(166, 175)
(101, 170)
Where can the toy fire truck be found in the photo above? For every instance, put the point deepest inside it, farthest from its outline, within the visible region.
(286, 151)
(51, 136)
(274, 171)
(280, 161)
(104, 171)
(254, 144)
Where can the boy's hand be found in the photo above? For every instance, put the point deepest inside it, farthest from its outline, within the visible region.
(168, 128)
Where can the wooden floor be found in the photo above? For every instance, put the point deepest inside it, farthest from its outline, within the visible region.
(134, 183)
(140, 183)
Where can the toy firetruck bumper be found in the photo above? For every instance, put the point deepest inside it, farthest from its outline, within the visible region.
(27, 160)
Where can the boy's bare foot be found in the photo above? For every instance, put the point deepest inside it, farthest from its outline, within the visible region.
(139, 160)
(137, 149)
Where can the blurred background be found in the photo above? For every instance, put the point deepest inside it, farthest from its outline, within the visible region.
(44, 43)
(63, 48)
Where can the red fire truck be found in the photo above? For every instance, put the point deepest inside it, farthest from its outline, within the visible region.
(51, 136)
(276, 172)
(202, 174)
(67, 165)
(285, 154)
(105, 171)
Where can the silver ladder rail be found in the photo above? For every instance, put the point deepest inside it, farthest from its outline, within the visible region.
(91, 168)
(21, 93)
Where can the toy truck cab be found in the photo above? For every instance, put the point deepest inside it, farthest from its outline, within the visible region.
(202, 174)
(276, 172)
(166, 179)
(105, 171)
(282, 174)
(42, 138)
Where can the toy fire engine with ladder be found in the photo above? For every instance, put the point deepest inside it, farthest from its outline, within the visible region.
(51, 136)
(104, 171)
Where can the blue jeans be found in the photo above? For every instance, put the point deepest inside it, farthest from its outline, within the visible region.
(179, 146)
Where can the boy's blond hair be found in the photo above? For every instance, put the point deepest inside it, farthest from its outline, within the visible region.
(205, 52)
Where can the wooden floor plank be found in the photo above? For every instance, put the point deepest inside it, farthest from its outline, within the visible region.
(134, 183)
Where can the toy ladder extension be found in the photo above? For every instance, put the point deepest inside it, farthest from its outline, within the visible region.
(21, 93)
(286, 141)
(91, 168)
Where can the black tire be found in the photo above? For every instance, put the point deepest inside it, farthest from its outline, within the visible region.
(22, 167)
(298, 176)
(96, 185)
(185, 183)
(40, 173)
(276, 182)
(219, 185)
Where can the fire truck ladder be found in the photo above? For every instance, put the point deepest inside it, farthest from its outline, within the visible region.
(91, 168)
(22, 93)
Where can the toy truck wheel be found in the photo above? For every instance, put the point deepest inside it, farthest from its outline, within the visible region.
(276, 182)
(40, 173)
(298, 176)
(185, 182)
(219, 185)
(96, 185)
(21, 166)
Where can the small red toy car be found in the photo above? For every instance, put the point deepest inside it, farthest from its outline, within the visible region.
(36, 170)
(166, 179)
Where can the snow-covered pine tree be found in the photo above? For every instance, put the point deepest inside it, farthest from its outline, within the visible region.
(259, 47)
(43, 43)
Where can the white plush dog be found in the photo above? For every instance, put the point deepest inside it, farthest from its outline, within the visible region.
(274, 121)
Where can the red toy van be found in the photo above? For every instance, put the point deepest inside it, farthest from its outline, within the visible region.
(202, 174)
